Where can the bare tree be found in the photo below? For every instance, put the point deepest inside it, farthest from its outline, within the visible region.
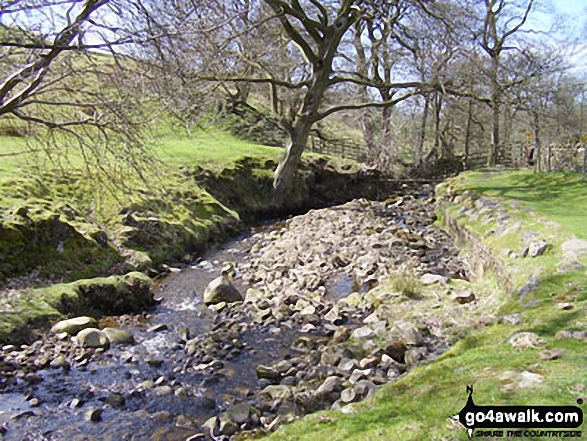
(318, 30)
(64, 77)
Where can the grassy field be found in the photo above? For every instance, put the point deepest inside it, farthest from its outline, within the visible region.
(561, 197)
(419, 406)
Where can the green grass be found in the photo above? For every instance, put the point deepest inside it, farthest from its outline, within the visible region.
(562, 197)
(210, 148)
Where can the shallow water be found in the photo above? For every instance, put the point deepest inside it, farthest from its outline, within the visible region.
(120, 371)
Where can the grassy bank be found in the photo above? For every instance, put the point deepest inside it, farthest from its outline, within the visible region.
(543, 369)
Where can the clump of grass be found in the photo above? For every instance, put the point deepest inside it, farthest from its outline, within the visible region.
(404, 282)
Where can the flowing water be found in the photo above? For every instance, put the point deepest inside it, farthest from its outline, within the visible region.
(158, 357)
(156, 389)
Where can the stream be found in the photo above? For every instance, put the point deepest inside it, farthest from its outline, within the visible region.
(297, 343)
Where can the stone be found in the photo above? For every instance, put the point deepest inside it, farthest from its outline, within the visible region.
(413, 356)
(565, 306)
(363, 332)
(94, 415)
(278, 392)
(408, 334)
(512, 319)
(163, 391)
(368, 363)
(429, 279)
(348, 395)
(396, 350)
(92, 338)
(330, 385)
(347, 365)
(332, 315)
(211, 427)
(267, 372)
(74, 325)
(158, 328)
(535, 249)
(517, 380)
(370, 319)
(574, 249)
(60, 362)
(239, 413)
(549, 355)
(119, 336)
(570, 266)
(464, 297)
(359, 374)
(221, 290)
(162, 415)
(526, 340)
(228, 428)
(330, 358)
(365, 388)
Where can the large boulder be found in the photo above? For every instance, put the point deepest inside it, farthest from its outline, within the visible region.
(221, 290)
(74, 325)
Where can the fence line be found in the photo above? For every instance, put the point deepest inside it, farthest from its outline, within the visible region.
(342, 147)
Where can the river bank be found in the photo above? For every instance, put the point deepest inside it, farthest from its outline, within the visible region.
(306, 337)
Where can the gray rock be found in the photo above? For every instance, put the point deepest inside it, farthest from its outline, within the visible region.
(464, 297)
(365, 388)
(348, 395)
(429, 279)
(94, 415)
(409, 334)
(221, 290)
(330, 385)
(267, 372)
(535, 249)
(239, 413)
(119, 336)
(228, 428)
(92, 338)
(278, 392)
(330, 358)
(512, 319)
(158, 328)
(574, 249)
(413, 356)
(211, 427)
(363, 332)
(571, 266)
(347, 365)
(74, 325)
(163, 391)
(359, 374)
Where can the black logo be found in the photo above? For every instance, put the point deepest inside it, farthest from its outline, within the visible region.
(521, 418)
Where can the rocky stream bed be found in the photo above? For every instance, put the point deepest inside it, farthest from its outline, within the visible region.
(337, 302)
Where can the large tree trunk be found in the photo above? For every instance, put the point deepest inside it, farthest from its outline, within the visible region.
(422, 136)
(495, 102)
(468, 133)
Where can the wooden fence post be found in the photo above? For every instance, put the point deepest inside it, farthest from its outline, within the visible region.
(585, 159)
(549, 158)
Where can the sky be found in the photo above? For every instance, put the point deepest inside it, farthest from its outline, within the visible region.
(566, 24)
